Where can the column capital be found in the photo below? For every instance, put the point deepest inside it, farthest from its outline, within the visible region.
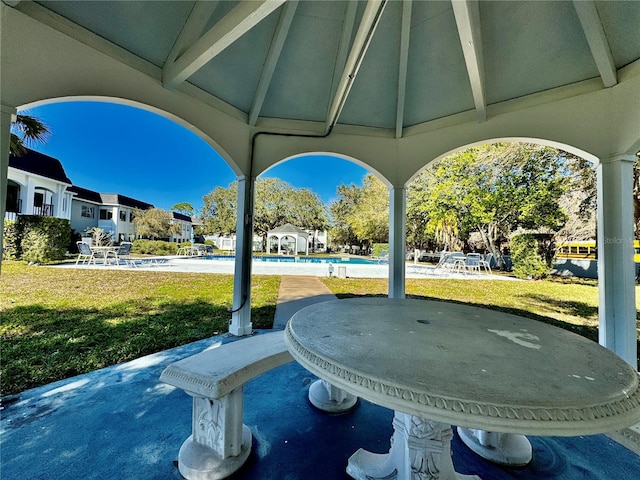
(8, 110)
(627, 158)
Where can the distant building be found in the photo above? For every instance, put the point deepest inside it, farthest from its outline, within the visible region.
(186, 226)
(37, 185)
(111, 212)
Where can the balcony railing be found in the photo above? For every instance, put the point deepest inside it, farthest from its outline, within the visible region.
(13, 209)
(46, 210)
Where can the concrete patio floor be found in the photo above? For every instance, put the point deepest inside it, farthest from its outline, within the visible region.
(121, 422)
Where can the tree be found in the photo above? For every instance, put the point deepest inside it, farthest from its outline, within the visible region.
(155, 223)
(26, 130)
(361, 214)
(184, 207)
(219, 210)
(341, 210)
(276, 203)
(370, 219)
(494, 190)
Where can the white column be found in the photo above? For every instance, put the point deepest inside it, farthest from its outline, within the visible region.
(397, 222)
(6, 113)
(31, 191)
(616, 268)
(241, 317)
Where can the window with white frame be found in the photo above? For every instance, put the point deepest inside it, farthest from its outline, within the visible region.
(87, 212)
(106, 214)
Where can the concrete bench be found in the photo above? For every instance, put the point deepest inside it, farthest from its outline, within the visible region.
(220, 443)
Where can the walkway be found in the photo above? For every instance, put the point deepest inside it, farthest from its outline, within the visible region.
(121, 422)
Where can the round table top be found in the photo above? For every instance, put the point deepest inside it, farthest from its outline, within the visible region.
(466, 365)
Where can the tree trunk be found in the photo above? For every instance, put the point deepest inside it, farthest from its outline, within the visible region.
(489, 238)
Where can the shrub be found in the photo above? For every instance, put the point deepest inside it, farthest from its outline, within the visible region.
(154, 247)
(527, 261)
(380, 249)
(10, 240)
(44, 239)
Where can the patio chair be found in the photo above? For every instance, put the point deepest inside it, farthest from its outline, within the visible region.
(486, 262)
(85, 254)
(122, 252)
(452, 261)
(472, 262)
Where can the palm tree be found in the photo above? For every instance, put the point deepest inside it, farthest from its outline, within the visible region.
(26, 130)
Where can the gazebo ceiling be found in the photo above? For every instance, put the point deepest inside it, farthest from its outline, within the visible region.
(375, 64)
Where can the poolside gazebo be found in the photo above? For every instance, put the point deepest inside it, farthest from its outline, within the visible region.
(392, 86)
(286, 232)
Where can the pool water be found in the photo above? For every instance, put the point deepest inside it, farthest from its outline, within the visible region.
(301, 259)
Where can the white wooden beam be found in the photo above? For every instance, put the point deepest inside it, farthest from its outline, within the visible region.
(192, 29)
(598, 43)
(343, 48)
(236, 23)
(282, 30)
(368, 24)
(467, 14)
(402, 70)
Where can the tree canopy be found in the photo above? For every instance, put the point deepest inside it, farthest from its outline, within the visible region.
(276, 203)
(155, 223)
(25, 131)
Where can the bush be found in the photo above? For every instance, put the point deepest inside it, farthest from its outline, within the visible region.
(527, 261)
(43, 239)
(10, 240)
(380, 249)
(154, 247)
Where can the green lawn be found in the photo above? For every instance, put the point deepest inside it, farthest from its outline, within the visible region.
(56, 322)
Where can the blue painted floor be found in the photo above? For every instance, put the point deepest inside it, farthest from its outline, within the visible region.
(122, 423)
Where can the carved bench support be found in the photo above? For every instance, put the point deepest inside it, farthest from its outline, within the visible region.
(329, 398)
(420, 449)
(219, 443)
(501, 448)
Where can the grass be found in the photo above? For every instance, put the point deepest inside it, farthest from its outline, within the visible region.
(56, 323)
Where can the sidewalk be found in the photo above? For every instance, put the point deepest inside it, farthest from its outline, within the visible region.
(121, 422)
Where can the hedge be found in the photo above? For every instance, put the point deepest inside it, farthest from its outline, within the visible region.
(42, 239)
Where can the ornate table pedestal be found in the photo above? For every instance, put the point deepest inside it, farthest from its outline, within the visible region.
(424, 443)
(443, 364)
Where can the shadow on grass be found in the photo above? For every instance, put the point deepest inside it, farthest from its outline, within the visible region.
(41, 345)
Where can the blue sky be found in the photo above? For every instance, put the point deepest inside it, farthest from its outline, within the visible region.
(114, 148)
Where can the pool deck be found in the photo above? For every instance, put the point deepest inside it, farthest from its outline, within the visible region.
(356, 270)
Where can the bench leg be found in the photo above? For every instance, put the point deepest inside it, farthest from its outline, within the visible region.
(219, 443)
(500, 448)
(329, 398)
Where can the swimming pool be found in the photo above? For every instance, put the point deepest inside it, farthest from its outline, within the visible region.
(301, 259)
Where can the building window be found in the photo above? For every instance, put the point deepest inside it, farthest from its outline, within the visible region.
(123, 215)
(131, 216)
(38, 199)
(87, 212)
(105, 214)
